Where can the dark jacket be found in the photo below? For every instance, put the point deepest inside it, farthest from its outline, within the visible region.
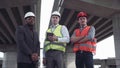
(27, 43)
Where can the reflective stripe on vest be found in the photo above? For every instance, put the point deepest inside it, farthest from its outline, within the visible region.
(89, 47)
(86, 46)
(55, 45)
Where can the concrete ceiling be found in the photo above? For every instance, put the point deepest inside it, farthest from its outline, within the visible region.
(11, 15)
(100, 14)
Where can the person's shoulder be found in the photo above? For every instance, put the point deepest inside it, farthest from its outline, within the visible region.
(77, 29)
(63, 26)
(92, 26)
(19, 27)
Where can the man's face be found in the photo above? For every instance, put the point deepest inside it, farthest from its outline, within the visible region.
(30, 20)
(55, 20)
(82, 20)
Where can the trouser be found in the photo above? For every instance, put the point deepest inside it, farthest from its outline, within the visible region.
(26, 65)
(84, 59)
(54, 59)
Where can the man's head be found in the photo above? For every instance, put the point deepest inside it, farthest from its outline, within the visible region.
(82, 18)
(30, 18)
(55, 17)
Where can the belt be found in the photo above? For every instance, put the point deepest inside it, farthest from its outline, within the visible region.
(80, 51)
(52, 50)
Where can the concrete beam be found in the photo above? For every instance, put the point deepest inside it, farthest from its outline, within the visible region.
(37, 9)
(2, 40)
(104, 30)
(60, 4)
(73, 26)
(104, 34)
(55, 5)
(97, 21)
(93, 9)
(11, 17)
(61, 10)
(22, 14)
(14, 3)
(69, 17)
(103, 24)
(6, 36)
(91, 16)
(8, 47)
(113, 4)
(7, 26)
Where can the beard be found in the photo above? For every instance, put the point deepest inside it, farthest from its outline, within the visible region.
(30, 25)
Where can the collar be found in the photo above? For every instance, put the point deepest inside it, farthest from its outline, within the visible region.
(54, 26)
(83, 26)
(30, 27)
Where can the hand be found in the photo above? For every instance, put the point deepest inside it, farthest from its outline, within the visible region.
(50, 38)
(44, 61)
(34, 57)
(53, 38)
(76, 39)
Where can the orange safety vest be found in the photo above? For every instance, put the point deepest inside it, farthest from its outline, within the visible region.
(89, 45)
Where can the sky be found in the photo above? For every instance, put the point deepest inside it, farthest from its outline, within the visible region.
(1, 54)
(105, 49)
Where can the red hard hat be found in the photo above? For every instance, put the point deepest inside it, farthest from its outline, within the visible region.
(82, 14)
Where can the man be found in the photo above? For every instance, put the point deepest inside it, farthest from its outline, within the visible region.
(56, 38)
(84, 42)
(28, 46)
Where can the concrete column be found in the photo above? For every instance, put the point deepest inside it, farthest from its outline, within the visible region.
(104, 64)
(116, 32)
(70, 60)
(10, 60)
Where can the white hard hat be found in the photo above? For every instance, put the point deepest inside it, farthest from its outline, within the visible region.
(29, 14)
(56, 13)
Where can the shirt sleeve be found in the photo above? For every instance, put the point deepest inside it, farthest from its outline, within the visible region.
(65, 34)
(73, 35)
(91, 33)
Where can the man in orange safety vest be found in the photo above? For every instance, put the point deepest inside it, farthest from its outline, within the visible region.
(84, 42)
